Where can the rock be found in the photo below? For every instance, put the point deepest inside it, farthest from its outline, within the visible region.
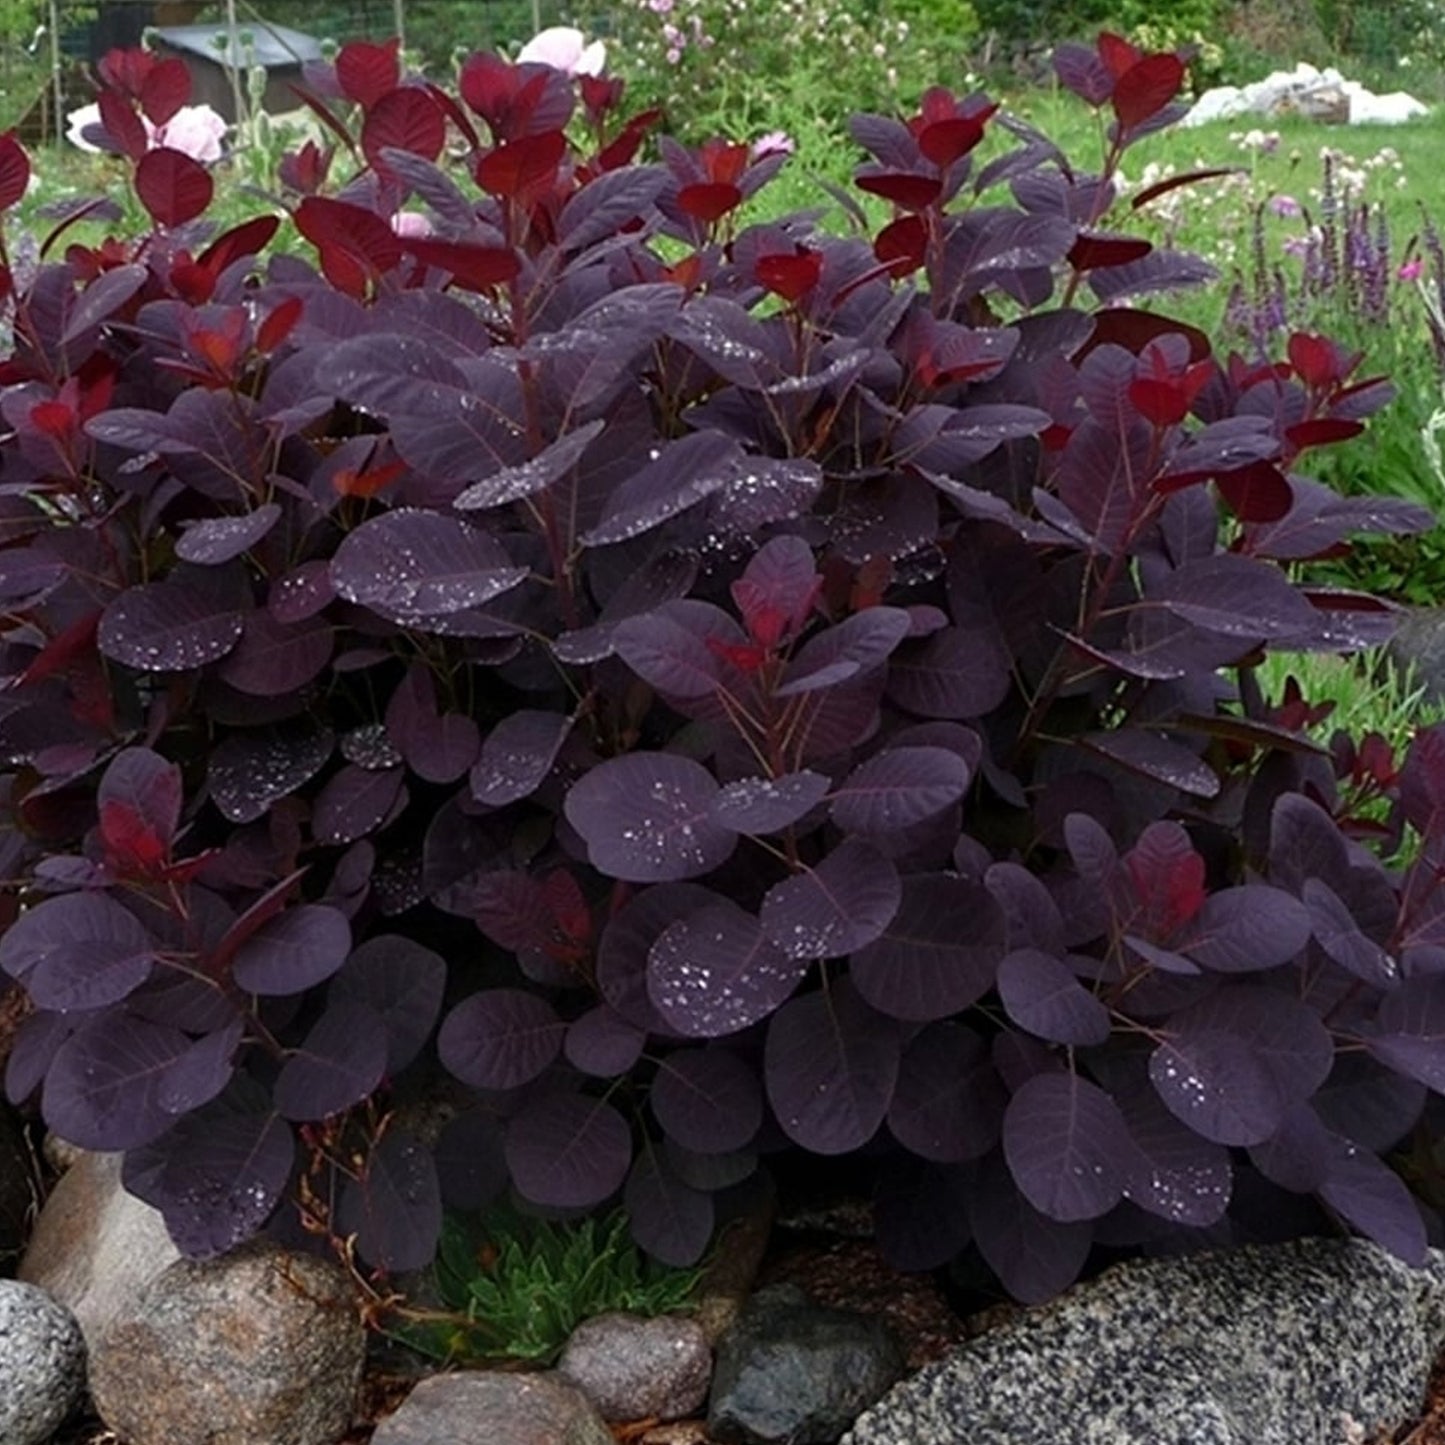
(42, 1364)
(1294, 1344)
(633, 1368)
(789, 1370)
(733, 1266)
(95, 1247)
(19, 1188)
(1320, 94)
(488, 1407)
(260, 1345)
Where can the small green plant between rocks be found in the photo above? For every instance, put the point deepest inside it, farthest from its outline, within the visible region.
(518, 1286)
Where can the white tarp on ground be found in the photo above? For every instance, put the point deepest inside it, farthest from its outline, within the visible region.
(1324, 94)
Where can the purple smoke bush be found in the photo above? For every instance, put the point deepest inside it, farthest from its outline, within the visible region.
(708, 689)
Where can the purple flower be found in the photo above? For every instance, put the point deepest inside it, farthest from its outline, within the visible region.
(1285, 206)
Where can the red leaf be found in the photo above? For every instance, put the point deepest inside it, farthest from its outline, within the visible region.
(1118, 54)
(1160, 400)
(1322, 431)
(1314, 358)
(1143, 90)
(405, 120)
(131, 844)
(244, 240)
(902, 244)
(367, 483)
(7, 284)
(165, 89)
(1256, 493)
(1089, 251)
(488, 84)
(455, 114)
(903, 188)
(945, 141)
(14, 172)
(122, 124)
(1134, 330)
(279, 324)
(366, 72)
(352, 231)
(172, 187)
(55, 419)
(473, 268)
(520, 168)
(790, 276)
(709, 201)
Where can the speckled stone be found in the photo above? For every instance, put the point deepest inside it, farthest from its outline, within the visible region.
(1296, 1344)
(485, 1407)
(260, 1345)
(633, 1368)
(42, 1364)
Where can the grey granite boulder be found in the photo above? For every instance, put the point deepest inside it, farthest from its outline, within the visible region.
(259, 1346)
(634, 1368)
(94, 1246)
(1310, 1343)
(486, 1407)
(42, 1364)
(1419, 642)
(790, 1370)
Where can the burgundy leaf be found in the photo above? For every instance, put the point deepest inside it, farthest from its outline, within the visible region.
(171, 186)
(14, 170)
(568, 1151)
(355, 802)
(645, 818)
(403, 984)
(405, 119)
(500, 1038)
(214, 540)
(837, 907)
(169, 626)
(830, 1064)
(252, 769)
(394, 1207)
(768, 805)
(714, 971)
(1067, 1146)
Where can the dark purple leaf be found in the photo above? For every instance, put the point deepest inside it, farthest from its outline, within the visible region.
(102, 1090)
(1411, 1023)
(897, 788)
(79, 951)
(301, 593)
(517, 755)
(1247, 929)
(250, 770)
(412, 565)
(830, 1064)
(1373, 1198)
(1338, 934)
(837, 907)
(437, 747)
(768, 805)
(500, 1038)
(219, 1174)
(340, 1062)
(148, 789)
(948, 1104)
(1034, 1257)
(675, 647)
(469, 1160)
(856, 645)
(958, 672)
(627, 939)
(602, 1043)
(401, 982)
(292, 952)
(1172, 1172)
(202, 1072)
(687, 470)
(708, 1100)
(568, 1151)
(394, 1208)
(919, 1217)
(510, 484)
(1156, 757)
(714, 971)
(669, 1219)
(1041, 994)
(1236, 596)
(273, 657)
(169, 626)
(645, 818)
(1067, 1146)
(1081, 69)
(355, 802)
(214, 540)
(938, 955)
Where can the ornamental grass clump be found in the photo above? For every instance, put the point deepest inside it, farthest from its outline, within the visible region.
(706, 690)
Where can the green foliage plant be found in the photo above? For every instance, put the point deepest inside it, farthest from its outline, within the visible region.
(517, 1286)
